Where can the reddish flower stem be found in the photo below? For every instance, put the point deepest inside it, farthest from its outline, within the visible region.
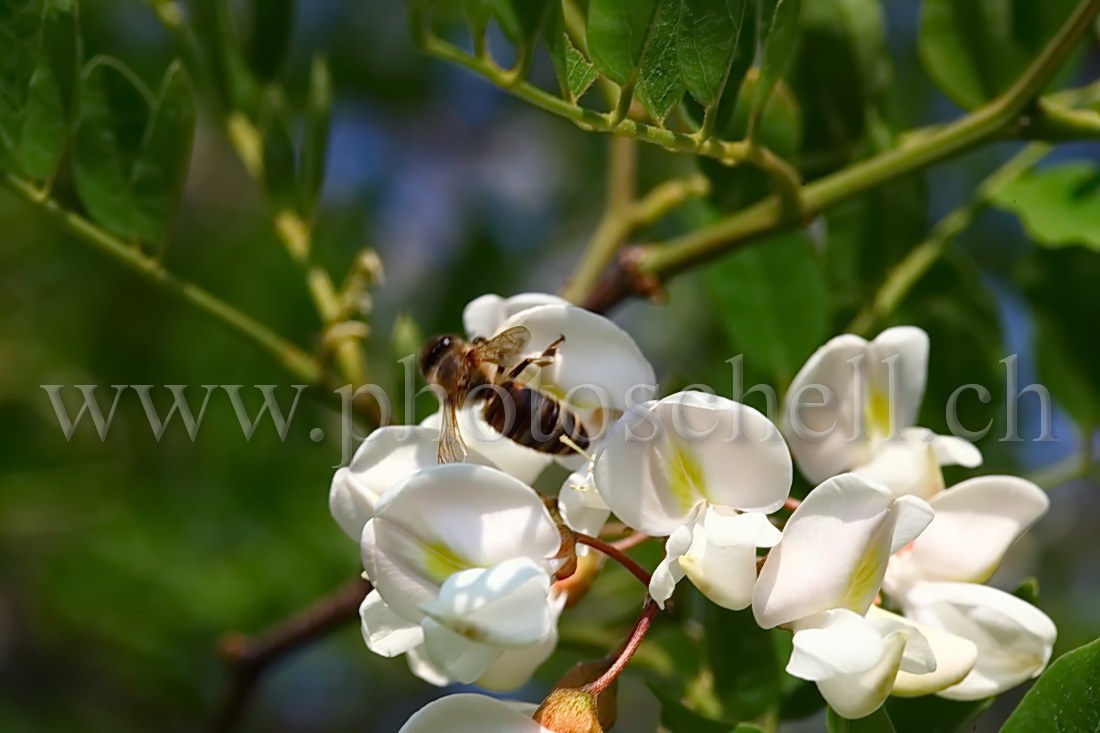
(631, 646)
(792, 503)
(617, 555)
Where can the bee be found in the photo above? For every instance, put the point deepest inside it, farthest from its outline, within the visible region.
(489, 371)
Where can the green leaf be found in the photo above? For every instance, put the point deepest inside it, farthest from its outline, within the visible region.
(842, 75)
(1059, 205)
(743, 659)
(931, 714)
(617, 33)
(280, 158)
(976, 50)
(1065, 699)
(876, 722)
(315, 137)
(772, 299)
(270, 27)
(38, 68)
(575, 73)
(777, 29)
(711, 46)
(678, 718)
(659, 86)
(132, 149)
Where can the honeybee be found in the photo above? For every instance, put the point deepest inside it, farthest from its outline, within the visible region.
(489, 371)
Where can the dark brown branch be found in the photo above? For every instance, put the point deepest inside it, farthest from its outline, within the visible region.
(247, 658)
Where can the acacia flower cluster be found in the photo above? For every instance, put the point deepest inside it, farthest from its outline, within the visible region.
(878, 572)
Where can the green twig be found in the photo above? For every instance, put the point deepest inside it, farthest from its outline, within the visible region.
(901, 279)
(293, 359)
(766, 217)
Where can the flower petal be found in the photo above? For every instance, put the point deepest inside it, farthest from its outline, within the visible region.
(1014, 639)
(388, 455)
(906, 465)
(909, 371)
(488, 447)
(505, 605)
(515, 666)
(981, 518)
(805, 422)
(834, 643)
(582, 508)
(975, 524)
(952, 656)
(422, 667)
(859, 695)
(386, 633)
(470, 713)
(721, 561)
(597, 366)
(832, 555)
(460, 658)
(952, 451)
(668, 572)
(666, 458)
(483, 316)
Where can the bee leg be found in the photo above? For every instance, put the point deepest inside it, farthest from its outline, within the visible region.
(546, 358)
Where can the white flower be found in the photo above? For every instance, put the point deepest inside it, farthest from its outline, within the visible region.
(821, 580)
(471, 713)
(872, 391)
(936, 581)
(702, 470)
(461, 558)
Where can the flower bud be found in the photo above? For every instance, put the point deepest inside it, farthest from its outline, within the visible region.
(570, 711)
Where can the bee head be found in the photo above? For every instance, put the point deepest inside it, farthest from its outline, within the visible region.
(434, 351)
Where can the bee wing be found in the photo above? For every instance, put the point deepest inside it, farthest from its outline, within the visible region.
(451, 447)
(503, 348)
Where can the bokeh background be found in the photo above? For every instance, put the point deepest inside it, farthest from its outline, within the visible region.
(122, 561)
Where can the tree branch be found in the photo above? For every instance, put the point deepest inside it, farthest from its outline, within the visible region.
(660, 262)
(248, 658)
(289, 356)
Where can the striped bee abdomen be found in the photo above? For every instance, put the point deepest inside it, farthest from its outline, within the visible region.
(533, 419)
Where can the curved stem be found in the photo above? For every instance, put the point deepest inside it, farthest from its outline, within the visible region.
(629, 648)
(617, 555)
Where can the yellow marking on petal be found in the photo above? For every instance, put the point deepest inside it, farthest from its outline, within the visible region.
(865, 580)
(685, 476)
(876, 414)
(441, 562)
